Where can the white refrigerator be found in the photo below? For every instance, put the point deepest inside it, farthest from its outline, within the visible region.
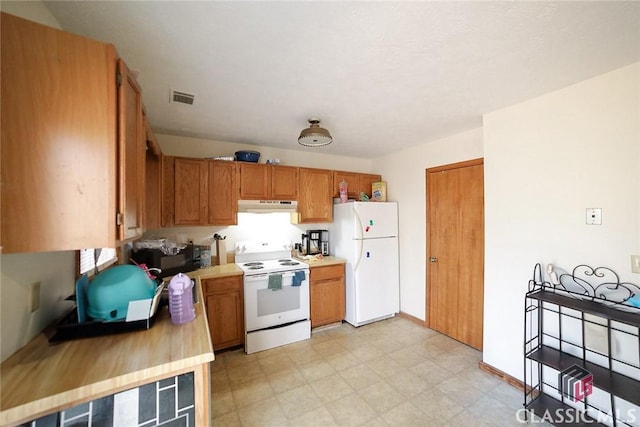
(366, 235)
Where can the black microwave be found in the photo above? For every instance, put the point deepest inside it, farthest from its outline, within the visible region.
(187, 259)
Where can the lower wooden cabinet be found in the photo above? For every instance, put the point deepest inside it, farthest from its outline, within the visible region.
(327, 294)
(225, 311)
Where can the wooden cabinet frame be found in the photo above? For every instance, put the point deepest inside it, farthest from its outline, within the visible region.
(327, 294)
(225, 310)
(267, 182)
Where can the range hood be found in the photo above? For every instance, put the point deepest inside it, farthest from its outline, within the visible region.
(267, 206)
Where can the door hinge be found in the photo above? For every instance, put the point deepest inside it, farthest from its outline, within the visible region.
(118, 79)
(119, 218)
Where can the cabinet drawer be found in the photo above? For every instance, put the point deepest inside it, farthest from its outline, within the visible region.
(222, 284)
(328, 272)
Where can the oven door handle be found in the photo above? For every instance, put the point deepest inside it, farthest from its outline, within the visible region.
(258, 277)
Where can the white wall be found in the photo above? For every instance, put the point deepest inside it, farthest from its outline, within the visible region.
(56, 273)
(546, 161)
(32, 10)
(404, 172)
(54, 270)
(312, 157)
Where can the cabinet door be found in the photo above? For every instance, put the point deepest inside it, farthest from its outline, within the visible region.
(59, 138)
(284, 182)
(167, 203)
(191, 191)
(152, 181)
(315, 201)
(327, 295)
(223, 193)
(131, 156)
(352, 180)
(364, 183)
(152, 191)
(225, 312)
(254, 181)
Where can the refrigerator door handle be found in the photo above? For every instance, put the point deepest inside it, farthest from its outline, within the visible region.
(358, 229)
(359, 258)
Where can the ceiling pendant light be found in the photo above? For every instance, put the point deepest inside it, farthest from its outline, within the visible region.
(314, 135)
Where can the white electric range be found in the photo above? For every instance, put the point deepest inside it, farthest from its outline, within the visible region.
(276, 295)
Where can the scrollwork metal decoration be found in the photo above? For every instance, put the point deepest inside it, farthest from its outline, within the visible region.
(600, 284)
(536, 282)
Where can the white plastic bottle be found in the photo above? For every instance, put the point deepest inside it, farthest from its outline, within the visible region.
(181, 299)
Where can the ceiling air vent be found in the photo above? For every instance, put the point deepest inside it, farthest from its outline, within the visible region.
(185, 98)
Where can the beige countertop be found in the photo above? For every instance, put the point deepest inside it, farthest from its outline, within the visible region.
(216, 271)
(324, 261)
(231, 269)
(40, 378)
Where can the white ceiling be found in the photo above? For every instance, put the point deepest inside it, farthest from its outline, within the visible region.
(381, 76)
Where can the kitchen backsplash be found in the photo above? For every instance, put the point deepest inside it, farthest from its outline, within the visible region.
(251, 226)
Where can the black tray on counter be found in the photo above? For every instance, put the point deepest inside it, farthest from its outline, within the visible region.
(68, 327)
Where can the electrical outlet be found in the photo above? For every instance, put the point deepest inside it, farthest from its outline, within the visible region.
(594, 216)
(635, 264)
(34, 296)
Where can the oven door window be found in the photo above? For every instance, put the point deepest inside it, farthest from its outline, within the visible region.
(266, 307)
(278, 301)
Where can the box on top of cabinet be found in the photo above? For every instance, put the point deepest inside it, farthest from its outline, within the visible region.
(379, 191)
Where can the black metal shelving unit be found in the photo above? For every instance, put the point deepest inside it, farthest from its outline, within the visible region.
(558, 318)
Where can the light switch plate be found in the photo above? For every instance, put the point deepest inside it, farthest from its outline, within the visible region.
(635, 264)
(34, 297)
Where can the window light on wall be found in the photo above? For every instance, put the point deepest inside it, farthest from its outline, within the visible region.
(87, 263)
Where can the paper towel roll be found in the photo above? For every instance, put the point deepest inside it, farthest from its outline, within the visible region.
(221, 251)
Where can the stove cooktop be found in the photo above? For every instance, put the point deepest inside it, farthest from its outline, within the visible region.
(271, 266)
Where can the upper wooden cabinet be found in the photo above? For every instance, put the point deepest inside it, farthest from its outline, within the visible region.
(254, 180)
(131, 152)
(357, 183)
(351, 178)
(73, 142)
(364, 183)
(315, 200)
(58, 139)
(191, 197)
(284, 182)
(198, 192)
(223, 193)
(152, 181)
(260, 181)
(167, 190)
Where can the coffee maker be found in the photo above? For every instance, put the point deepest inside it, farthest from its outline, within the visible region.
(316, 242)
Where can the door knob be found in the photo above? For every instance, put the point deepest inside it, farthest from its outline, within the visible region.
(433, 259)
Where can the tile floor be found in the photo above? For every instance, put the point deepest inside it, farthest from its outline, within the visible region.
(389, 373)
